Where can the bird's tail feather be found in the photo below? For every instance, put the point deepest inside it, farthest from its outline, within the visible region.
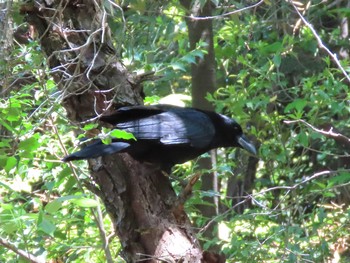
(95, 150)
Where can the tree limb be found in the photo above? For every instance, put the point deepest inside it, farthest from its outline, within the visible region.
(30, 257)
(330, 133)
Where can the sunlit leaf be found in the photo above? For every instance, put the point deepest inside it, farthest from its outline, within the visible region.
(90, 126)
(121, 134)
(47, 226)
(10, 163)
(30, 144)
(85, 202)
(341, 178)
(53, 206)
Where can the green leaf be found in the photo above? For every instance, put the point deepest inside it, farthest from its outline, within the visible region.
(277, 60)
(7, 126)
(344, 11)
(199, 53)
(343, 177)
(303, 139)
(297, 104)
(10, 163)
(71, 182)
(85, 202)
(323, 94)
(68, 197)
(50, 84)
(9, 227)
(46, 226)
(121, 134)
(14, 114)
(53, 206)
(178, 66)
(189, 59)
(2, 184)
(90, 126)
(148, 100)
(328, 194)
(320, 185)
(30, 144)
(107, 140)
(272, 48)
(192, 56)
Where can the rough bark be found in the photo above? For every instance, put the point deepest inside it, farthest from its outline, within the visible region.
(6, 29)
(6, 42)
(203, 72)
(139, 198)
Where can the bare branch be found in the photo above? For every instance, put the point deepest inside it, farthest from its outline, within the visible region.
(251, 197)
(320, 43)
(225, 14)
(102, 231)
(98, 218)
(329, 134)
(187, 191)
(20, 252)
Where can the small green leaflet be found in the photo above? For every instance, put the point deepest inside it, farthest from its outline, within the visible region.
(53, 206)
(85, 202)
(120, 134)
(342, 178)
(90, 126)
(78, 200)
(298, 104)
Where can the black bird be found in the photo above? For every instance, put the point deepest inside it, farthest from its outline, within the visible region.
(167, 135)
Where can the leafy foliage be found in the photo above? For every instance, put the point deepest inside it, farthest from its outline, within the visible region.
(42, 210)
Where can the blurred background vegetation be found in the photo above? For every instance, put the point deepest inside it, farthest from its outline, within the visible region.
(273, 77)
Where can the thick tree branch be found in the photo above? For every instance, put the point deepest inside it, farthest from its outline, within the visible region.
(92, 80)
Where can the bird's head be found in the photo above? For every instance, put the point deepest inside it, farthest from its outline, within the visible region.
(233, 135)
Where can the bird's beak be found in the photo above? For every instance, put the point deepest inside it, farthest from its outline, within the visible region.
(246, 144)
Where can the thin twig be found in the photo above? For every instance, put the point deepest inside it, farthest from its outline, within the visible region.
(104, 238)
(330, 133)
(187, 191)
(28, 256)
(218, 16)
(203, 229)
(320, 43)
(98, 218)
(225, 14)
(252, 196)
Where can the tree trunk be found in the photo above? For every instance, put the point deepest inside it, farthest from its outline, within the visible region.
(6, 42)
(139, 198)
(203, 82)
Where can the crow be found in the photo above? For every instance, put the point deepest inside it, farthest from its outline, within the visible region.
(167, 135)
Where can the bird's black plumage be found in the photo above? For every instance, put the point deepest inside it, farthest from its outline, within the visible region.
(167, 134)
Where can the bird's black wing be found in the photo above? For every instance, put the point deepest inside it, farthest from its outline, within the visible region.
(172, 127)
(97, 149)
(130, 113)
